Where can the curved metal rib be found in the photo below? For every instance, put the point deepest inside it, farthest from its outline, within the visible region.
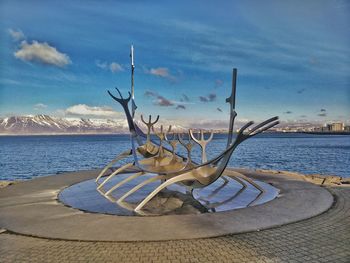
(119, 170)
(137, 187)
(123, 182)
(173, 180)
(118, 158)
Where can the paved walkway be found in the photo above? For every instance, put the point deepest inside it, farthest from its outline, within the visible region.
(324, 238)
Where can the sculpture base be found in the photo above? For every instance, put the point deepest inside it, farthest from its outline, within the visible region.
(223, 195)
(31, 208)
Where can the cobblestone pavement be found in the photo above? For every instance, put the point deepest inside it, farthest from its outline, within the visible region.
(325, 238)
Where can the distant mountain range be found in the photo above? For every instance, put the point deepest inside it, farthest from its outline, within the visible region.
(44, 124)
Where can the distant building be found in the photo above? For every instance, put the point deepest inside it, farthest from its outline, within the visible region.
(332, 127)
(335, 126)
(321, 129)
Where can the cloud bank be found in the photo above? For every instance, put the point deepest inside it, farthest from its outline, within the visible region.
(161, 72)
(184, 98)
(91, 111)
(323, 113)
(178, 107)
(164, 102)
(218, 83)
(16, 34)
(210, 98)
(160, 100)
(114, 67)
(42, 53)
(40, 106)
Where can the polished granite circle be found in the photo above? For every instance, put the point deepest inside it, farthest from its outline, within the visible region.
(32, 208)
(222, 195)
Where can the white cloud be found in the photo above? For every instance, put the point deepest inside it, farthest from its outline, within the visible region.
(91, 111)
(114, 67)
(16, 34)
(60, 113)
(160, 72)
(102, 65)
(42, 53)
(40, 106)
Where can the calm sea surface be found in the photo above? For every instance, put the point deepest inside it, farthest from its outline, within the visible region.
(25, 157)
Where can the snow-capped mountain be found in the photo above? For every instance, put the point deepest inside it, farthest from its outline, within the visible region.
(44, 124)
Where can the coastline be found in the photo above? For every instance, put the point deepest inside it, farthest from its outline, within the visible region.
(328, 133)
(127, 133)
(58, 134)
(319, 179)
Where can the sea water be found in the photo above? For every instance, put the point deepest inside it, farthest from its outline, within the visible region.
(26, 157)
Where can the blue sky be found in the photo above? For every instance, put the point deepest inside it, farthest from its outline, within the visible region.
(293, 58)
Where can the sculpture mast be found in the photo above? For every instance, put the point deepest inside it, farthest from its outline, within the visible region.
(232, 101)
(133, 105)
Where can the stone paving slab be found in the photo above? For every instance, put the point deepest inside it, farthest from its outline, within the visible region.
(324, 238)
(31, 208)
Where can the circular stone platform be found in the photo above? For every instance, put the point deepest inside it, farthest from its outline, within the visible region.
(217, 197)
(32, 208)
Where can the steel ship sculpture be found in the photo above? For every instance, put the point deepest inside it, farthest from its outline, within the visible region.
(160, 158)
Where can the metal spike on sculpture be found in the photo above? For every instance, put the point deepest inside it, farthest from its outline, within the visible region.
(166, 165)
(133, 105)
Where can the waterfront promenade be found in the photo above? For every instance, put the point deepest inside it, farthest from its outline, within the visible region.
(323, 238)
